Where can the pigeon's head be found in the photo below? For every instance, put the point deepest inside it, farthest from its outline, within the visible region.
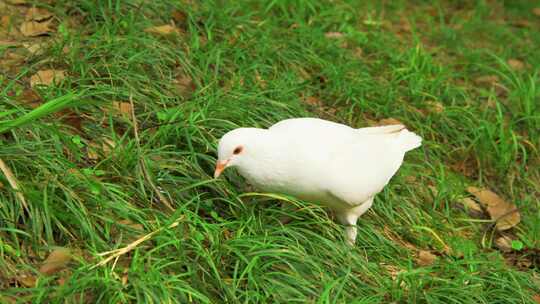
(236, 148)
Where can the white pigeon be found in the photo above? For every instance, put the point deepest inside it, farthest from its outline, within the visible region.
(319, 161)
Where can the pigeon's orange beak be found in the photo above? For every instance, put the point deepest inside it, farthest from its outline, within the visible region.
(220, 166)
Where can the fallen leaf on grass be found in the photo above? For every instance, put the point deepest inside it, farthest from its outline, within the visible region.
(132, 225)
(179, 16)
(27, 280)
(35, 48)
(435, 106)
(56, 261)
(388, 122)
(122, 107)
(30, 98)
(164, 30)
(536, 297)
(471, 205)
(504, 243)
(184, 85)
(486, 79)
(16, 2)
(425, 258)
(536, 12)
(312, 101)
(34, 29)
(37, 14)
(47, 77)
(516, 64)
(505, 214)
(333, 35)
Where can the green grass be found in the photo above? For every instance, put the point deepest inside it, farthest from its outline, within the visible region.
(251, 63)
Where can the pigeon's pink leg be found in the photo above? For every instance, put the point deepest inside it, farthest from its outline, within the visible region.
(349, 219)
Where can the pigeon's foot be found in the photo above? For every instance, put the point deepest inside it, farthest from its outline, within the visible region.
(350, 235)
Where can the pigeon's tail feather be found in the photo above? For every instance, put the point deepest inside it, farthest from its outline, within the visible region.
(409, 140)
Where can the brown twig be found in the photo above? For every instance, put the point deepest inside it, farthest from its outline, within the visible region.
(144, 170)
(13, 182)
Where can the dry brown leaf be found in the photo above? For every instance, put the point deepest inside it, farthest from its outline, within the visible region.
(425, 258)
(471, 205)
(486, 79)
(504, 243)
(179, 16)
(435, 106)
(5, 21)
(516, 64)
(122, 107)
(184, 85)
(536, 297)
(333, 35)
(312, 101)
(166, 29)
(37, 14)
(389, 121)
(107, 146)
(34, 29)
(92, 151)
(56, 261)
(505, 214)
(30, 98)
(47, 77)
(358, 52)
(27, 280)
(17, 2)
(131, 224)
(35, 48)
(522, 23)
(536, 12)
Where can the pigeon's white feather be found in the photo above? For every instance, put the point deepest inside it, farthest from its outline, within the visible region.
(324, 162)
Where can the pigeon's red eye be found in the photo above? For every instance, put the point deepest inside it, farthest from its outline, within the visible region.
(238, 150)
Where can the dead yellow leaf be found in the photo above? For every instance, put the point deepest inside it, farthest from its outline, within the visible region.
(389, 121)
(184, 85)
(92, 151)
(505, 214)
(435, 106)
(333, 35)
(5, 21)
(47, 77)
(425, 258)
(358, 52)
(166, 29)
(37, 14)
(179, 16)
(536, 12)
(122, 107)
(27, 280)
(132, 225)
(486, 79)
(56, 261)
(30, 98)
(504, 243)
(471, 205)
(516, 64)
(312, 101)
(34, 29)
(35, 48)
(16, 2)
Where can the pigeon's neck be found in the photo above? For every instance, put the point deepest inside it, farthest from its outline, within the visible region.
(263, 165)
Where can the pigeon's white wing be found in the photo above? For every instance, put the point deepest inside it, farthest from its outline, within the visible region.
(364, 167)
(381, 130)
(309, 125)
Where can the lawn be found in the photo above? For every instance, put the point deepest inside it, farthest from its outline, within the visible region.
(110, 113)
